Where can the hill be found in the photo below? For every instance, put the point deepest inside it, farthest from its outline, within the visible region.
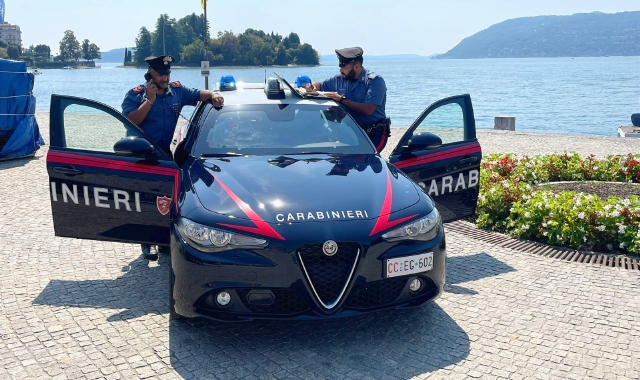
(113, 56)
(580, 35)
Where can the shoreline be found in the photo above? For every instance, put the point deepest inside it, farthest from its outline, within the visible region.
(497, 141)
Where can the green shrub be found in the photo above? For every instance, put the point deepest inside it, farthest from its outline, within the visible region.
(510, 201)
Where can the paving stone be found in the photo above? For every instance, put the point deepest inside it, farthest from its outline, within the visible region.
(74, 309)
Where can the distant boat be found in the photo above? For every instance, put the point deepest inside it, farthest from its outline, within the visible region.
(67, 68)
(35, 71)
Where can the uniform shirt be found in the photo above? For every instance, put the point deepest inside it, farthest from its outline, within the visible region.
(369, 88)
(162, 118)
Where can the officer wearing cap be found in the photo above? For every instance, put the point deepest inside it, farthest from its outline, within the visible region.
(156, 105)
(361, 92)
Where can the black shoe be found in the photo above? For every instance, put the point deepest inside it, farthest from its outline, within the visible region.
(150, 252)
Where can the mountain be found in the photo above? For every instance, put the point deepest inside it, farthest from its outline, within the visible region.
(580, 35)
(331, 58)
(113, 56)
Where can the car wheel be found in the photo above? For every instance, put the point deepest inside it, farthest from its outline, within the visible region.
(172, 301)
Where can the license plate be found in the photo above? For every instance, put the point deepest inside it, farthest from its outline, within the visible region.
(402, 266)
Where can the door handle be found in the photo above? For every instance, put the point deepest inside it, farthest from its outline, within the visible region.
(467, 161)
(67, 170)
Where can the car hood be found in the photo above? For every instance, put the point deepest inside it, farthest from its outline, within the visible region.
(301, 188)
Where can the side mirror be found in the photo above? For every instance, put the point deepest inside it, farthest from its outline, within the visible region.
(424, 140)
(133, 146)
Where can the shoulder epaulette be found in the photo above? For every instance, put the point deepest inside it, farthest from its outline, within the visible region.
(176, 84)
(138, 89)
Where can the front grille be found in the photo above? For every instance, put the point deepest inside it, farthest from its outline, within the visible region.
(328, 275)
(285, 302)
(376, 293)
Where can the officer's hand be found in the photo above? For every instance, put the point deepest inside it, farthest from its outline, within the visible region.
(333, 95)
(152, 91)
(217, 100)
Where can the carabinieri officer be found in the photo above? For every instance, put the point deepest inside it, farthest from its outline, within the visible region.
(361, 92)
(156, 105)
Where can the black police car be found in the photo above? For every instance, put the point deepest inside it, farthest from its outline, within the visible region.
(275, 205)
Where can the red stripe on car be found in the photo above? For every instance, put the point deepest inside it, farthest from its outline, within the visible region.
(78, 159)
(262, 227)
(383, 222)
(451, 153)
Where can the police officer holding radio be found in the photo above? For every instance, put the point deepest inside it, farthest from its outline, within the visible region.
(156, 105)
(361, 92)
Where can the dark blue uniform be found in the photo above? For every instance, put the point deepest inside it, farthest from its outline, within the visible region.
(162, 118)
(369, 88)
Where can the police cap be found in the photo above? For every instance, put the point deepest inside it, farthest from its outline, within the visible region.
(348, 55)
(161, 64)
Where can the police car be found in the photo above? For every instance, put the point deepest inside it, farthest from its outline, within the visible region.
(275, 205)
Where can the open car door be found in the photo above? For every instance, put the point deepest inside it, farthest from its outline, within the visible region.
(106, 180)
(440, 152)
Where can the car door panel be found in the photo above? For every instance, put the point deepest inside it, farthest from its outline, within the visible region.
(449, 172)
(100, 195)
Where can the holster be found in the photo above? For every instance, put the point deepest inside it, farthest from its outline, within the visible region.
(383, 125)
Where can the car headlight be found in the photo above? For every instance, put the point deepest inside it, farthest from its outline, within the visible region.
(207, 239)
(426, 228)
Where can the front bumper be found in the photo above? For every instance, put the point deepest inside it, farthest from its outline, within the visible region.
(282, 282)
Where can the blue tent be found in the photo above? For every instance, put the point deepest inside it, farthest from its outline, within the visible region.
(19, 132)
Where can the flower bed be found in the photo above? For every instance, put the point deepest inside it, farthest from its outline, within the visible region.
(510, 201)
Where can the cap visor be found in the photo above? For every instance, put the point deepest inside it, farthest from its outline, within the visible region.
(163, 72)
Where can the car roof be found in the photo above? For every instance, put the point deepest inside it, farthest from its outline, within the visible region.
(254, 93)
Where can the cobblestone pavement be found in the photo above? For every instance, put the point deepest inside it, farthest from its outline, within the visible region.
(73, 309)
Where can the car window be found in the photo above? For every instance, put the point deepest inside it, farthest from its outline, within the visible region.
(89, 128)
(280, 129)
(446, 121)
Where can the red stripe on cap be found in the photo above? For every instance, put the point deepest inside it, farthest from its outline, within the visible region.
(451, 153)
(262, 227)
(383, 222)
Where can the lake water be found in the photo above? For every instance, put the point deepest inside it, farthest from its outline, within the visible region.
(557, 95)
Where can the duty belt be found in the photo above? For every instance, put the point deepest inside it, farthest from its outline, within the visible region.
(381, 125)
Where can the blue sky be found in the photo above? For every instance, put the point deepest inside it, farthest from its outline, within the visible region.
(380, 26)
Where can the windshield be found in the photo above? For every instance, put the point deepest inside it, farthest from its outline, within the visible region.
(280, 129)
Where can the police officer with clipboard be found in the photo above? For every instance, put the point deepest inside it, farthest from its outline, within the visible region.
(361, 92)
(156, 106)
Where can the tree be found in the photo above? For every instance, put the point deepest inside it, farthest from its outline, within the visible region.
(3, 53)
(126, 54)
(13, 51)
(85, 49)
(42, 51)
(129, 56)
(143, 46)
(308, 55)
(193, 53)
(70, 47)
(94, 52)
(165, 37)
(3, 44)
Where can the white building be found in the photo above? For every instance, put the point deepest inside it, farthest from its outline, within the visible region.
(11, 34)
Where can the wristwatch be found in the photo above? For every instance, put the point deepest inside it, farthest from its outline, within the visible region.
(342, 98)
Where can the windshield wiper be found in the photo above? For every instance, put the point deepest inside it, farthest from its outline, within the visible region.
(228, 154)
